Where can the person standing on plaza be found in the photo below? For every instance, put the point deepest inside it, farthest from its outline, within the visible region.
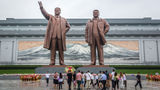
(138, 77)
(55, 79)
(83, 79)
(107, 81)
(100, 85)
(116, 81)
(125, 80)
(92, 78)
(103, 80)
(60, 80)
(96, 78)
(74, 80)
(88, 79)
(69, 79)
(47, 75)
(78, 79)
(121, 81)
(113, 74)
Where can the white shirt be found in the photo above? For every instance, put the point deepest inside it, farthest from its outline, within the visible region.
(88, 76)
(156, 73)
(112, 75)
(60, 79)
(96, 77)
(47, 75)
(92, 77)
(83, 75)
(124, 77)
(103, 77)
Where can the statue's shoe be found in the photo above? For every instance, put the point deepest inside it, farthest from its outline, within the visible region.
(93, 64)
(101, 64)
(52, 64)
(62, 64)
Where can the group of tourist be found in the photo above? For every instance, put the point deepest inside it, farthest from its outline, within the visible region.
(58, 79)
(118, 81)
(87, 80)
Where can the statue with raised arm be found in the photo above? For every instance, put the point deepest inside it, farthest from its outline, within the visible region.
(55, 37)
(95, 31)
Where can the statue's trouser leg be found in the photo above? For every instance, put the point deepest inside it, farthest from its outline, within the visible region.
(61, 54)
(100, 51)
(93, 53)
(53, 52)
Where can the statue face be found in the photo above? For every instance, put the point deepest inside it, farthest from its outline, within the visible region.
(95, 13)
(57, 11)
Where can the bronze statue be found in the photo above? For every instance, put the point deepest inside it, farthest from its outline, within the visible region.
(95, 31)
(55, 37)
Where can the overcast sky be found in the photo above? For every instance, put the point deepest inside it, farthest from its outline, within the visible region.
(81, 8)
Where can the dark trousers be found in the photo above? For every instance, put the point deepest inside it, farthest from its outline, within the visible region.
(85, 83)
(138, 82)
(113, 84)
(47, 81)
(69, 84)
(104, 84)
(79, 83)
(60, 85)
(117, 84)
(125, 83)
(92, 83)
(96, 82)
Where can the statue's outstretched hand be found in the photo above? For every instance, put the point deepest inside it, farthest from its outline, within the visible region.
(40, 3)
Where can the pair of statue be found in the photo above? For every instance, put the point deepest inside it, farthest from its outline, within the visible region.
(57, 27)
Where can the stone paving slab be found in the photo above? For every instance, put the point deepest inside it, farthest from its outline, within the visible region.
(41, 85)
(16, 77)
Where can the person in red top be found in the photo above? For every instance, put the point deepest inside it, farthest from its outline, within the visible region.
(79, 78)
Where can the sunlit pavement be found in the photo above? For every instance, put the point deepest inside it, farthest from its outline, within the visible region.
(41, 85)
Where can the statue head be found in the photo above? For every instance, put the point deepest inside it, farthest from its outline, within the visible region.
(57, 11)
(95, 13)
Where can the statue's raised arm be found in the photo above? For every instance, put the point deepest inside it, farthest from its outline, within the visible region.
(45, 14)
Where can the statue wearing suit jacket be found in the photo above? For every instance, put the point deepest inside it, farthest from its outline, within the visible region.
(95, 31)
(55, 37)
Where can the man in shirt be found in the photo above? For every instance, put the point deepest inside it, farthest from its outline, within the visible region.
(69, 79)
(47, 75)
(107, 81)
(55, 35)
(125, 79)
(104, 78)
(112, 73)
(138, 80)
(92, 79)
(95, 31)
(78, 79)
(74, 79)
(88, 79)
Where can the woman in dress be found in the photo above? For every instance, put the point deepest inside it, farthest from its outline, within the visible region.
(121, 81)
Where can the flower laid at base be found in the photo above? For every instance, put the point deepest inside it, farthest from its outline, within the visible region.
(69, 68)
(153, 77)
(33, 77)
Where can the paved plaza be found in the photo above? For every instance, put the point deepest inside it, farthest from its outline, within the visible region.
(41, 85)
